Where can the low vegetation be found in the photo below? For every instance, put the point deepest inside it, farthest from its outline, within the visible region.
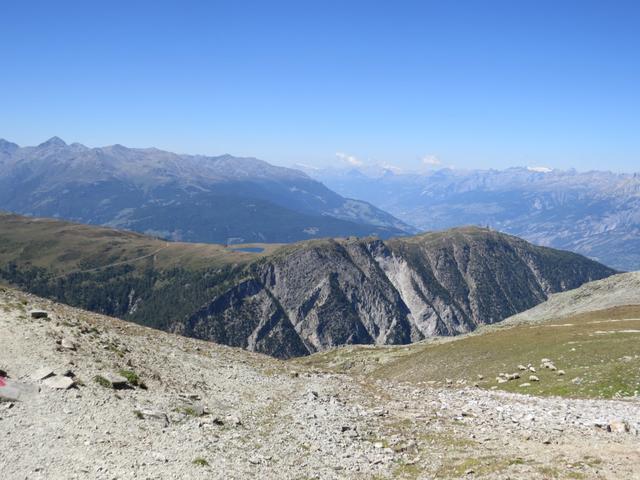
(133, 378)
(598, 352)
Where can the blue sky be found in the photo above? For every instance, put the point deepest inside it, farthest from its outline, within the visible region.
(465, 83)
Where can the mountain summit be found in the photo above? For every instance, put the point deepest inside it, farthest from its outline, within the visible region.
(221, 199)
(53, 142)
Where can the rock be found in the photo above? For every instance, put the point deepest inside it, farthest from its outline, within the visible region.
(501, 380)
(618, 426)
(532, 369)
(560, 372)
(480, 377)
(38, 313)
(234, 420)
(513, 376)
(189, 395)
(150, 414)
(42, 373)
(545, 360)
(521, 367)
(59, 383)
(196, 409)
(11, 391)
(533, 378)
(523, 385)
(68, 344)
(117, 382)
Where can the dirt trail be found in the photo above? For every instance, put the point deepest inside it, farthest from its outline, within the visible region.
(211, 411)
(115, 264)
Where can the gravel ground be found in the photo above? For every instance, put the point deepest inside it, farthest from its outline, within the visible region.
(210, 411)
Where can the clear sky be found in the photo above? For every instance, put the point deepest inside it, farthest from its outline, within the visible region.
(465, 83)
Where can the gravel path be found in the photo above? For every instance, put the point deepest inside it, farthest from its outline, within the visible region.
(210, 411)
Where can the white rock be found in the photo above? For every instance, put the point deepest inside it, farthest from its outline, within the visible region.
(68, 344)
(618, 426)
(59, 383)
(42, 373)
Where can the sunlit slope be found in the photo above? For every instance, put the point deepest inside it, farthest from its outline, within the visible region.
(595, 353)
(64, 247)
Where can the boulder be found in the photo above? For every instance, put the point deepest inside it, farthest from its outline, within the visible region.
(533, 378)
(59, 383)
(38, 313)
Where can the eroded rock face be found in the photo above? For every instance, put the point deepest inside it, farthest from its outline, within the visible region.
(319, 295)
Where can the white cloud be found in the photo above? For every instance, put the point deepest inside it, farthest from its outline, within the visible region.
(392, 168)
(431, 160)
(350, 159)
(540, 169)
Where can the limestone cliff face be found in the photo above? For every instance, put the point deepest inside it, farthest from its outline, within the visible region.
(317, 295)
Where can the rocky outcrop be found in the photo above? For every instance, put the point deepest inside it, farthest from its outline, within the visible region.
(317, 295)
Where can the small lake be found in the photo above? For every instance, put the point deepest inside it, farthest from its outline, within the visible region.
(249, 249)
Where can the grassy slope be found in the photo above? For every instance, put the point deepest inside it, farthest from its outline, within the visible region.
(599, 351)
(65, 247)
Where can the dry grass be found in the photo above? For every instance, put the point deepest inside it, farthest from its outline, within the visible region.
(599, 352)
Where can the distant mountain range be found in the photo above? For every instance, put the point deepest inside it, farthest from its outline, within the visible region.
(291, 300)
(593, 213)
(181, 197)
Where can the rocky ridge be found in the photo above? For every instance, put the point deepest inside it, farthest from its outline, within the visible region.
(222, 199)
(315, 296)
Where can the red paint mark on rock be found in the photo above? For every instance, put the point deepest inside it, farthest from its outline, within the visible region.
(2, 382)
